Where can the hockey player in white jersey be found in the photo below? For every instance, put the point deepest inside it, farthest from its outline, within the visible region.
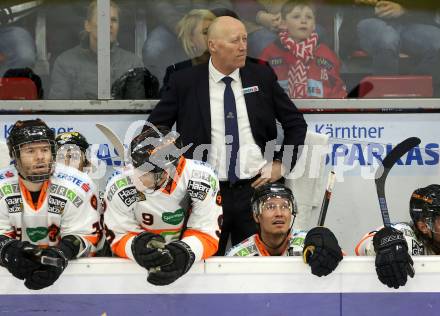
(164, 211)
(47, 212)
(274, 210)
(72, 151)
(393, 246)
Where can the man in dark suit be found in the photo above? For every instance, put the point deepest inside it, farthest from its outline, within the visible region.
(227, 110)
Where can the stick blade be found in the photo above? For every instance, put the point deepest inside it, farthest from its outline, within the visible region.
(400, 150)
(113, 138)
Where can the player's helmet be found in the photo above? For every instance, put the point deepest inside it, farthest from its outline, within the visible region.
(269, 190)
(156, 150)
(72, 138)
(425, 204)
(26, 132)
(68, 141)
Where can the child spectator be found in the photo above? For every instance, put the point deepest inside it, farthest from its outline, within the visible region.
(305, 67)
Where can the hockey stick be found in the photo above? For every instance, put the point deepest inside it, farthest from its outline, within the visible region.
(326, 198)
(384, 169)
(114, 139)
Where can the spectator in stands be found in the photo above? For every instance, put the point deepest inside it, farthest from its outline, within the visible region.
(162, 47)
(305, 67)
(17, 47)
(393, 27)
(31, 91)
(232, 99)
(75, 72)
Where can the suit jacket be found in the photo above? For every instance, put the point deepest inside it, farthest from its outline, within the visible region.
(186, 102)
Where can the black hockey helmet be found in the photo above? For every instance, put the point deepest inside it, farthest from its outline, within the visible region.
(425, 203)
(268, 190)
(26, 132)
(68, 140)
(72, 138)
(156, 150)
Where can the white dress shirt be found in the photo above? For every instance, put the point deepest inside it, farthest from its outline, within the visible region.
(251, 158)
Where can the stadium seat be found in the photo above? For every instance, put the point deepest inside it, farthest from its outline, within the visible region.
(397, 86)
(17, 89)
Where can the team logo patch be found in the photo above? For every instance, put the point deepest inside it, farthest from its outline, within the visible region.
(141, 197)
(128, 196)
(56, 205)
(14, 203)
(173, 218)
(198, 190)
(7, 174)
(37, 233)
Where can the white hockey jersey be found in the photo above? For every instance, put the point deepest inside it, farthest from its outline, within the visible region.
(416, 246)
(66, 206)
(253, 246)
(188, 208)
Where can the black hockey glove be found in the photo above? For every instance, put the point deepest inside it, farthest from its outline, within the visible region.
(45, 275)
(149, 250)
(182, 260)
(18, 257)
(321, 251)
(70, 245)
(393, 263)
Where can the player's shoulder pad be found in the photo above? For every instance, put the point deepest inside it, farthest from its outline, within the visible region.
(75, 180)
(244, 249)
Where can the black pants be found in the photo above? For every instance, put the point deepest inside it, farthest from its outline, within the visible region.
(237, 213)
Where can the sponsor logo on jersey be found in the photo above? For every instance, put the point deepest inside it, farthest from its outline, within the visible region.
(417, 249)
(56, 205)
(9, 189)
(198, 190)
(297, 241)
(14, 203)
(66, 192)
(85, 187)
(128, 196)
(37, 233)
(249, 250)
(173, 218)
(203, 175)
(71, 178)
(324, 63)
(7, 174)
(118, 185)
(121, 183)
